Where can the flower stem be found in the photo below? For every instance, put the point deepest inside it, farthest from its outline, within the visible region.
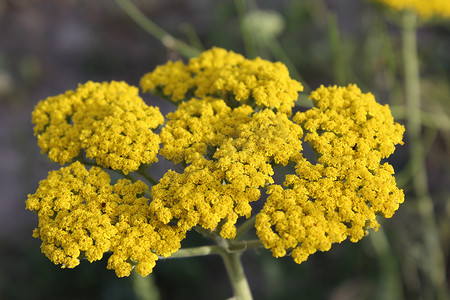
(246, 226)
(434, 265)
(195, 251)
(147, 177)
(145, 287)
(237, 276)
(213, 249)
(231, 255)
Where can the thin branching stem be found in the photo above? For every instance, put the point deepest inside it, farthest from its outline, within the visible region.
(147, 177)
(246, 226)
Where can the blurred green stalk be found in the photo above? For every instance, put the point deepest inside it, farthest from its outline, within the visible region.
(145, 287)
(336, 46)
(390, 287)
(279, 54)
(434, 260)
(247, 38)
(157, 32)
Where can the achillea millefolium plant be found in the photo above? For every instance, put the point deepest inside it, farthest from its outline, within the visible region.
(232, 130)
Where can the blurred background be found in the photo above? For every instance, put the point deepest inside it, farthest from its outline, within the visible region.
(49, 46)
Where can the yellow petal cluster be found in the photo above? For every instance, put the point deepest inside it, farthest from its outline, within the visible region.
(424, 8)
(81, 215)
(198, 197)
(227, 75)
(233, 126)
(108, 120)
(230, 152)
(341, 193)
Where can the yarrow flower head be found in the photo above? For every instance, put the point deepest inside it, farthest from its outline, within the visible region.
(339, 195)
(231, 153)
(232, 132)
(82, 215)
(107, 120)
(424, 8)
(226, 75)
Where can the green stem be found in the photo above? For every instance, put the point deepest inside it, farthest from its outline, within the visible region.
(247, 38)
(215, 249)
(244, 245)
(196, 251)
(164, 37)
(145, 287)
(230, 253)
(246, 226)
(434, 259)
(390, 279)
(336, 49)
(233, 264)
(280, 54)
(147, 177)
(436, 119)
(192, 36)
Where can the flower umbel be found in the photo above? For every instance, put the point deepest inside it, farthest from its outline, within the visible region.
(229, 76)
(82, 215)
(338, 196)
(107, 120)
(232, 131)
(231, 153)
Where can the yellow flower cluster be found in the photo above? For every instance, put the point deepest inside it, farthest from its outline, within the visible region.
(230, 152)
(424, 8)
(340, 195)
(226, 75)
(81, 215)
(108, 120)
(233, 127)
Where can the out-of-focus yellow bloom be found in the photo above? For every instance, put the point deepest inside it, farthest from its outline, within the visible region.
(339, 195)
(108, 120)
(226, 75)
(82, 215)
(424, 8)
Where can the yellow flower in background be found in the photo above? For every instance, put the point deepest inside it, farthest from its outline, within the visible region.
(424, 8)
(81, 215)
(339, 195)
(107, 120)
(226, 75)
